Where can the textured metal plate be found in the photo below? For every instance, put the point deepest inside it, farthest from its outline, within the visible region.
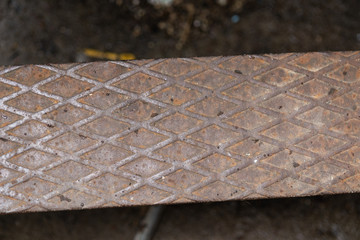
(178, 130)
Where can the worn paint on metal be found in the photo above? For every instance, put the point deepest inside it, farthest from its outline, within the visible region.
(105, 134)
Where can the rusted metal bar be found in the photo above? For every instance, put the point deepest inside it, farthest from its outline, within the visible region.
(178, 130)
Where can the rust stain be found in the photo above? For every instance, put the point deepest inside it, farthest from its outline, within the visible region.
(181, 130)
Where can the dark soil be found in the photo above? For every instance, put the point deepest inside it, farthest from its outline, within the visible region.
(58, 31)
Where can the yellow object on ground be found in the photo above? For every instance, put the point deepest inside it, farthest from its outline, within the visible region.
(108, 55)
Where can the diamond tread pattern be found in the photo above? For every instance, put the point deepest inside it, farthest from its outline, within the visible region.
(162, 131)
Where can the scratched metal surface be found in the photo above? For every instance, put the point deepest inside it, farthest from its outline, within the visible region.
(105, 134)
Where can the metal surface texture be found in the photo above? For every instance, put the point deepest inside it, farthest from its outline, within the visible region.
(102, 134)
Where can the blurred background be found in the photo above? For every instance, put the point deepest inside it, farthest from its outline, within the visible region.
(63, 31)
(57, 31)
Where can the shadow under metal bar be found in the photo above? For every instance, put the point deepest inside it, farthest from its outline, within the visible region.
(150, 223)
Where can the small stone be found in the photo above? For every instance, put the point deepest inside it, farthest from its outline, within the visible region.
(235, 18)
(222, 2)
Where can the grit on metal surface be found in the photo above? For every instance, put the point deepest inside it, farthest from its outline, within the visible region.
(102, 134)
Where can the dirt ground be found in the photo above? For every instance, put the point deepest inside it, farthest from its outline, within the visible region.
(58, 31)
